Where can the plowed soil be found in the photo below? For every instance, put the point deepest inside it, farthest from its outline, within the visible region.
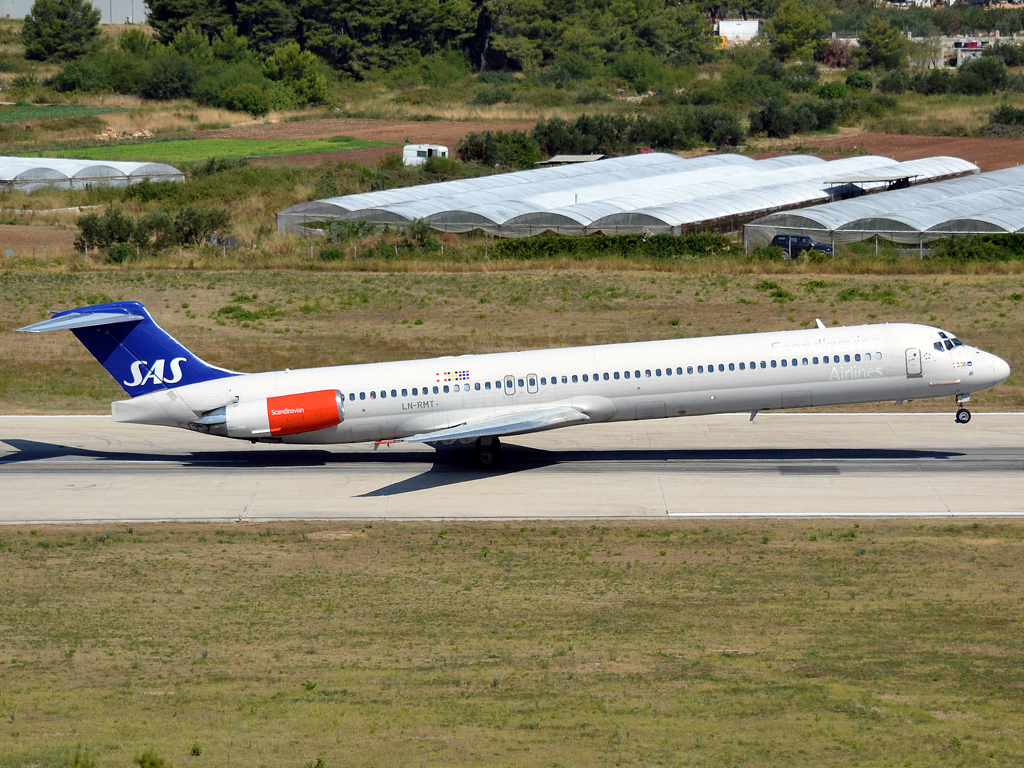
(446, 132)
(26, 241)
(990, 154)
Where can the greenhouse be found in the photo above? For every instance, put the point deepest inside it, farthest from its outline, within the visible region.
(649, 193)
(988, 203)
(30, 173)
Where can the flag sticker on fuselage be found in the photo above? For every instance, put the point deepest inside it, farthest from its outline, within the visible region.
(962, 364)
(453, 376)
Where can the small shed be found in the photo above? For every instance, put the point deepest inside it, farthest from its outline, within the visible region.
(739, 30)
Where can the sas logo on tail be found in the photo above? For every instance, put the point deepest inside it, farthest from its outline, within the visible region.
(155, 373)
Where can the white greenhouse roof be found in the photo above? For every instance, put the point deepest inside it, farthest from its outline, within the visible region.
(29, 173)
(653, 192)
(980, 204)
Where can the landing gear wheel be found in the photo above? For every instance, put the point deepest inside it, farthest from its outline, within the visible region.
(963, 416)
(487, 455)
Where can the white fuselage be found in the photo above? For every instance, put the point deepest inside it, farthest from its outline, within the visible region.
(614, 382)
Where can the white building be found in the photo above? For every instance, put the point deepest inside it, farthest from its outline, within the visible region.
(738, 30)
(418, 154)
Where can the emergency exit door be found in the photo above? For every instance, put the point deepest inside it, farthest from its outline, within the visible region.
(913, 362)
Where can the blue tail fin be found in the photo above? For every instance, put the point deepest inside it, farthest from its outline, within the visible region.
(140, 355)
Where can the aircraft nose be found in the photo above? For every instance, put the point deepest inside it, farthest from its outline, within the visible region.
(1000, 370)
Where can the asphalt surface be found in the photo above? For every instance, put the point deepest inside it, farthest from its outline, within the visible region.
(88, 469)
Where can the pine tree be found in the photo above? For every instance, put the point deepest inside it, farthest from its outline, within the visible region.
(60, 30)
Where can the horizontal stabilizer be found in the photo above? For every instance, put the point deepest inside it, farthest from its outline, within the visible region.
(509, 423)
(71, 321)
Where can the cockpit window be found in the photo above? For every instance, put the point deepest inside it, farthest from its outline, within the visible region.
(942, 335)
(957, 343)
(938, 346)
(948, 343)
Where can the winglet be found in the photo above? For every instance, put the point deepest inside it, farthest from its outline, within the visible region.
(820, 324)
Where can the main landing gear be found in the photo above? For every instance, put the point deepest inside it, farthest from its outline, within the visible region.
(487, 454)
(962, 415)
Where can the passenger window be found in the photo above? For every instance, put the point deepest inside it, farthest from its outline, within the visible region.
(815, 360)
(753, 365)
(700, 369)
(689, 369)
(362, 395)
(596, 377)
(668, 371)
(477, 386)
(856, 358)
(394, 393)
(721, 367)
(711, 368)
(636, 374)
(521, 383)
(446, 389)
(804, 361)
(606, 377)
(533, 382)
(383, 394)
(543, 381)
(774, 364)
(647, 373)
(616, 375)
(657, 372)
(732, 366)
(743, 367)
(351, 395)
(585, 378)
(574, 378)
(846, 358)
(487, 385)
(405, 393)
(497, 385)
(373, 395)
(456, 387)
(565, 379)
(626, 374)
(762, 363)
(878, 355)
(435, 390)
(679, 371)
(794, 362)
(783, 362)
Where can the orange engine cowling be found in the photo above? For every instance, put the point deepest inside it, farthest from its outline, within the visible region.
(285, 415)
(307, 412)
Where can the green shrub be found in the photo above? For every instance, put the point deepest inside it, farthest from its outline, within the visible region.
(625, 246)
(860, 81)
(493, 94)
(1004, 114)
(833, 90)
(511, 149)
(119, 253)
(979, 248)
(333, 254)
(893, 81)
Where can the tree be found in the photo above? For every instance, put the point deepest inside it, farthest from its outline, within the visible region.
(60, 30)
(300, 71)
(880, 45)
(798, 30)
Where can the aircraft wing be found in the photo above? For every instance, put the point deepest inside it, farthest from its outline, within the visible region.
(518, 422)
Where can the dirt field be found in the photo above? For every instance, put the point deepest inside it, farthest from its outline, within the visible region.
(394, 131)
(990, 154)
(26, 240)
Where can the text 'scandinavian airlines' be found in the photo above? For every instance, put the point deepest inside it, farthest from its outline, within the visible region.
(478, 399)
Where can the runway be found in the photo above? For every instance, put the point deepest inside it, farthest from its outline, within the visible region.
(63, 469)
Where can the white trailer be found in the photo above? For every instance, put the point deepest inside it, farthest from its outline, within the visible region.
(418, 154)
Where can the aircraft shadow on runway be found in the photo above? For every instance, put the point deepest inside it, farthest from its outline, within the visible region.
(451, 467)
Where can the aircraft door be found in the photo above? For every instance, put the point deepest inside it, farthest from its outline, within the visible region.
(913, 362)
(510, 385)
(531, 383)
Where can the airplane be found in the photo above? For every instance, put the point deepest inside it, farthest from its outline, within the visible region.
(476, 400)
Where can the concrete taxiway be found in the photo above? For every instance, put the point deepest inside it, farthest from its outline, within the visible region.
(64, 469)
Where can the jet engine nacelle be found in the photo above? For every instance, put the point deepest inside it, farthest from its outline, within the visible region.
(277, 416)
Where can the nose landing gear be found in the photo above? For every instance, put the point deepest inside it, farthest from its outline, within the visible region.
(962, 415)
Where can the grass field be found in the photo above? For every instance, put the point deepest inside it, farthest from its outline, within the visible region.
(273, 319)
(192, 150)
(23, 113)
(738, 643)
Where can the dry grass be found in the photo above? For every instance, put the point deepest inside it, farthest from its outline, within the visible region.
(334, 318)
(739, 643)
